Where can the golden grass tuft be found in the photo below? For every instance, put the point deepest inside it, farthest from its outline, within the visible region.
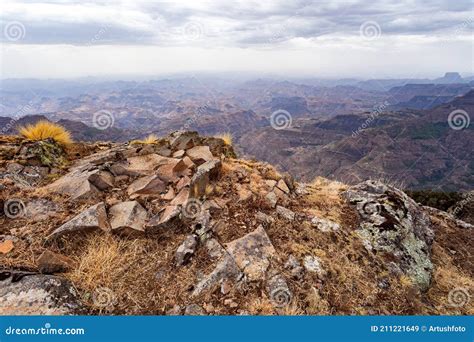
(46, 130)
(150, 139)
(227, 137)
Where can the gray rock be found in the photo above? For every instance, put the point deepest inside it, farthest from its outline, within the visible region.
(252, 253)
(174, 311)
(147, 185)
(182, 140)
(186, 250)
(285, 213)
(200, 154)
(226, 269)
(264, 218)
(93, 218)
(14, 168)
(295, 268)
(282, 186)
(50, 262)
(312, 264)
(194, 310)
(271, 199)
(324, 225)
(393, 223)
(41, 209)
(37, 295)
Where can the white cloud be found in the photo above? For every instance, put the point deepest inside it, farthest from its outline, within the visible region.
(78, 38)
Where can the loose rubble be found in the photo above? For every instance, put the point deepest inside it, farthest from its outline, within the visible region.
(227, 236)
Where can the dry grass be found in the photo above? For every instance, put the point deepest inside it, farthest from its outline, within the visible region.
(226, 137)
(46, 130)
(150, 139)
(325, 199)
(124, 269)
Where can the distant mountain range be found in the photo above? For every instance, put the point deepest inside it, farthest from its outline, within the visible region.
(413, 148)
(345, 129)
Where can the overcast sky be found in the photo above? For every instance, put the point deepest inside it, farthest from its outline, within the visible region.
(336, 39)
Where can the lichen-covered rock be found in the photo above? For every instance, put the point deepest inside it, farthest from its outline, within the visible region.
(324, 225)
(252, 253)
(394, 224)
(34, 294)
(45, 152)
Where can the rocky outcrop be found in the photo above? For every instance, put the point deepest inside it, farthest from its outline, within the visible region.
(392, 223)
(181, 229)
(34, 294)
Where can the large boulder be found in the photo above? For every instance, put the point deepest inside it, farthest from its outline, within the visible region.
(34, 294)
(392, 223)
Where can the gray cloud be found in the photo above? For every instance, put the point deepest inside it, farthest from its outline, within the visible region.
(236, 23)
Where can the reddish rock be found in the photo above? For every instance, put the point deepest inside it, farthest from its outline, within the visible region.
(50, 262)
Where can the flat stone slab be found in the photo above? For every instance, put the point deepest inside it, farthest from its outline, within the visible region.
(252, 253)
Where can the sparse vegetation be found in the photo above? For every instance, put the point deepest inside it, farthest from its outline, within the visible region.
(227, 137)
(43, 130)
(150, 139)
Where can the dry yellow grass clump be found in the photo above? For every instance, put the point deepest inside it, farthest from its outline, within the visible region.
(46, 130)
(227, 137)
(150, 139)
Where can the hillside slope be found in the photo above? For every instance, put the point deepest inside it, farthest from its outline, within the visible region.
(181, 226)
(416, 149)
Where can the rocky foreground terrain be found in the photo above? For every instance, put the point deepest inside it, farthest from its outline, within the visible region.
(182, 226)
